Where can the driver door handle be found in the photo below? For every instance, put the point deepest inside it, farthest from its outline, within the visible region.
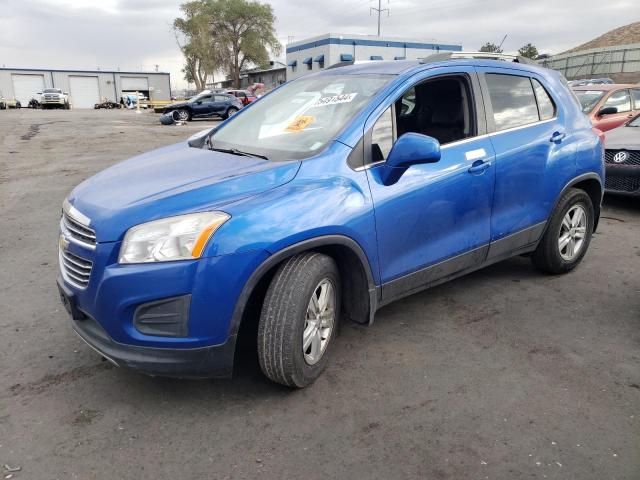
(478, 167)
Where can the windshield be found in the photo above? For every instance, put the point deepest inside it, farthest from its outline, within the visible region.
(635, 122)
(299, 119)
(51, 90)
(588, 98)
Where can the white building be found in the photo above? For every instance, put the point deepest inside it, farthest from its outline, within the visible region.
(85, 87)
(314, 54)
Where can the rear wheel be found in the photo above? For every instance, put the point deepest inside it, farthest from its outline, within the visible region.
(299, 319)
(231, 112)
(568, 234)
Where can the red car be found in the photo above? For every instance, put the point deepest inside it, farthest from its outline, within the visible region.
(245, 97)
(609, 106)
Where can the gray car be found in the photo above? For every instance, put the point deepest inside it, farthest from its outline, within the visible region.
(622, 157)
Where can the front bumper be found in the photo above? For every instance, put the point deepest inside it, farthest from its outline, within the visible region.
(104, 313)
(204, 362)
(622, 179)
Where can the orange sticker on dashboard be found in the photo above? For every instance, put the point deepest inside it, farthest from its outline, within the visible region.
(300, 123)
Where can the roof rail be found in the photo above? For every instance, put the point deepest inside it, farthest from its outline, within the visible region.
(441, 57)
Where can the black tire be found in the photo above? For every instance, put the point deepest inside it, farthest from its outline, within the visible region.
(231, 111)
(282, 321)
(547, 256)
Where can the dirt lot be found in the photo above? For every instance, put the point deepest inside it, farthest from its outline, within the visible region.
(506, 373)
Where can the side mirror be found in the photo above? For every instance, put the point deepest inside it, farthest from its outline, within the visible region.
(199, 102)
(607, 111)
(65, 93)
(410, 149)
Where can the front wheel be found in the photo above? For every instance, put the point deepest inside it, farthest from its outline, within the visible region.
(184, 115)
(299, 319)
(568, 234)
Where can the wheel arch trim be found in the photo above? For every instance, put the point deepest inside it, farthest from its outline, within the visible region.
(291, 250)
(581, 178)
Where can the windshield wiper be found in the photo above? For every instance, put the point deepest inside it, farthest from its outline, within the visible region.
(235, 151)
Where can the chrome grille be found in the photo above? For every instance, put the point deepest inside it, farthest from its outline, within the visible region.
(75, 270)
(633, 157)
(75, 231)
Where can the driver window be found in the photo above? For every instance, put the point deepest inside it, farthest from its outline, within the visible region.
(440, 108)
(620, 100)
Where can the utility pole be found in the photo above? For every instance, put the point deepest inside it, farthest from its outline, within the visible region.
(379, 10)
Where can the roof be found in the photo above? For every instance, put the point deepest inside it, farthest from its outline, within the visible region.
(605, 87)
(625, 35)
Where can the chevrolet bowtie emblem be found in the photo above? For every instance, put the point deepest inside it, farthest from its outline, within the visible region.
(63, 242)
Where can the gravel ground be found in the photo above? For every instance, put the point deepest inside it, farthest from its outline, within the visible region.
(504, 374)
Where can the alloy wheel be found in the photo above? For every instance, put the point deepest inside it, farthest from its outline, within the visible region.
(319, 322)
(572, 233)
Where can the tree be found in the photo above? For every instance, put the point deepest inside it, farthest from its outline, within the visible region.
(196, 42)
(244, 31)
(491, 48)
(529, 51)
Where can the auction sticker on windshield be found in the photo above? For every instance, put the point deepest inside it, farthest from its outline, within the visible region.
(344, 98)
(300, 123)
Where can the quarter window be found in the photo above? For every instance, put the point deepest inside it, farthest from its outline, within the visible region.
(620, 100)
(546, 108)
(382, 137)
(512, 99)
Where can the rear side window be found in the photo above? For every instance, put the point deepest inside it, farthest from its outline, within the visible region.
(221, 98)
(512, 99)
(546, 108)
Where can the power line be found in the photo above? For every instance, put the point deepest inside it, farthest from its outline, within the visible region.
(379, 10)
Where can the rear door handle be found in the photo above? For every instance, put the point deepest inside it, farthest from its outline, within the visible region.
(557, 136)
(479, 166)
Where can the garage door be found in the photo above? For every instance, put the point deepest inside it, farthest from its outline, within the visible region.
(84, 91)
(26, 87)
(132, 84)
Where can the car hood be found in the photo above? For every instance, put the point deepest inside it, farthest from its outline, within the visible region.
(170, 181)
(627, 138)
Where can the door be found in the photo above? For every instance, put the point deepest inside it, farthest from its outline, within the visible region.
(26, 87)
(534, 156)
(134, 84)
(85, 92)
(620, 100)
(220, 104)
(203, 107)
(435, 221)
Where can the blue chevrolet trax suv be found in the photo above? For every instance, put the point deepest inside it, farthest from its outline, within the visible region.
(333, 195)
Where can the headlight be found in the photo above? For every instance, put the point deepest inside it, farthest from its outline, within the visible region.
(175, 238)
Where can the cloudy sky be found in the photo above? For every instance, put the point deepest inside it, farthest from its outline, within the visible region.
(137, 34)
